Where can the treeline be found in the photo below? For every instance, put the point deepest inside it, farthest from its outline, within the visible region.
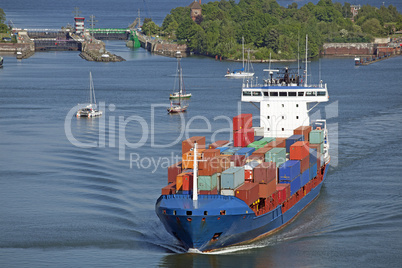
(268, 27)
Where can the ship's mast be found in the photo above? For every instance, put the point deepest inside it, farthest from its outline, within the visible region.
(305, 79)
(195, 181)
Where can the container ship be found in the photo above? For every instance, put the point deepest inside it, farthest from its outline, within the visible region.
(233, 192)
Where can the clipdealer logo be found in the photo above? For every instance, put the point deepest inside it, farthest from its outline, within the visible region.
(117, 128)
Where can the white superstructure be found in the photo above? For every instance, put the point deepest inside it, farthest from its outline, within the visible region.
(285, 103)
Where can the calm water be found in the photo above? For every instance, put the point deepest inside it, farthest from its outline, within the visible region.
(64, 205)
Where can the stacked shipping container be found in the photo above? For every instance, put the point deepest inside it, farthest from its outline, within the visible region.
(263, 172)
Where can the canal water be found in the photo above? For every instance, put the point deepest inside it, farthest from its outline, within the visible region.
(81, 193)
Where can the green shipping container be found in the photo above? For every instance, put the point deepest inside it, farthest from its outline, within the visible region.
(268, 139)
(257, 144)
(207, 183)
(277, 155)
(316, 136)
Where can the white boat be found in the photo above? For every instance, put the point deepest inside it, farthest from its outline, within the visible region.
(182, 90)
(91, 109)
(178, 107)
(245, 70)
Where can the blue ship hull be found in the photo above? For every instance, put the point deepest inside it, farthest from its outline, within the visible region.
(216, 221)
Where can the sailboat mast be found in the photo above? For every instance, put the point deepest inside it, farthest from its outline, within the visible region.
(90, 88)
(242, 41)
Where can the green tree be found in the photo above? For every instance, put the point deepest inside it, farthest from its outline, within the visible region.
(373, 26)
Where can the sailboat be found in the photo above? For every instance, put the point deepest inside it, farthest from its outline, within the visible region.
(240, 73)
(91, 109)
(178, 107)
(182, 91)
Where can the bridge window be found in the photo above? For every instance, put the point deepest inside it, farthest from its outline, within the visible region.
(292, 94)
(297, 117)
(268, 117)
(283, 105)
(283, 94)
(256, 93)
(189, 213)
(205, 212)
(310, 93)
(300, 94)
(297, 105)
(273, 94)
(321, 93)
(246, 93)
(266, 93)
(223, 212)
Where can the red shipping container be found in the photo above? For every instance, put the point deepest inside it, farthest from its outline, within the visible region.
(242, 121)
(188, 144)
(283, 190)
(258, 158)
(248, 192)
(265, 172)
(248, 175)
(304, 164)
(184, 182)
(173, 171)
(169, 189)
(239, 160)
(217, 144)
(277, 143)
(267, 189)
(303, 130)
(210, 153)
(299, 150)
(243, 137)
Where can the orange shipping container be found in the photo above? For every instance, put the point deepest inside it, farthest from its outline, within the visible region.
(299, 150)
(184, 182)
(188, 158)
(188, 144)
(303, 130)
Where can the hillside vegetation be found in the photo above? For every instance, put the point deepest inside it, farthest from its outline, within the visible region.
(268, 27)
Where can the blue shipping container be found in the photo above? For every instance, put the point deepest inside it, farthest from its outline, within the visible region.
(232, 178)
(305, 177)
(292, 139)
(295, 184)
(313, 171)
(246, 151)
(313, 156)
(232, 151)
(257, 138)
(222, 149)
(289, 170)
